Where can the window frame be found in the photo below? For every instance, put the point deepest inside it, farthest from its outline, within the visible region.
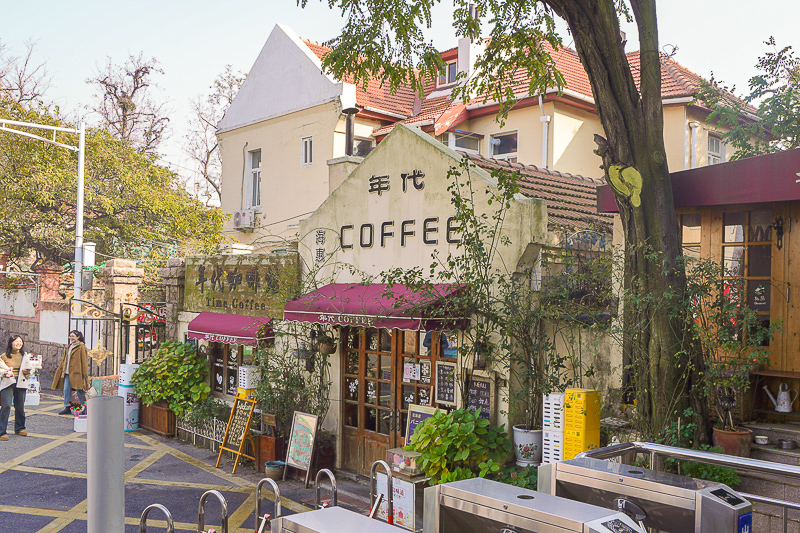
(512, 157)
(717, 156)
(307, 151)
(363, 139)
(254, 180)
(444, 76)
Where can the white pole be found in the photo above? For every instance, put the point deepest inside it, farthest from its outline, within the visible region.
(76, 293)
(105, 465)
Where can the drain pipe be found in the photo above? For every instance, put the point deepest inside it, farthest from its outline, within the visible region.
(244, 173)
(694, 126)
(545, 129)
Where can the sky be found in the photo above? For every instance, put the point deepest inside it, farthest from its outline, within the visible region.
(194, 40)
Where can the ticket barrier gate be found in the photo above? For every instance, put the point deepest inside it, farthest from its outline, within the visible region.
(478, 505)
(659, 500)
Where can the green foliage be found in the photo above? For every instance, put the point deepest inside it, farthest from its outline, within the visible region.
(459, 445)
(289, 383)
(132, 205)
(525, 478)
(720, 474)
(775, 90)
(199, 414)
(176, 374)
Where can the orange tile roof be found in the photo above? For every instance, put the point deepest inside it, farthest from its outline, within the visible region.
(571, 199)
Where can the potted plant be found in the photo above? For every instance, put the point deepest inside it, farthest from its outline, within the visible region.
(168, 383)
(732, 337)
(324, 339)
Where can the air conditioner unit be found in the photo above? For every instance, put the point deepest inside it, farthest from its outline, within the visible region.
(243, 220)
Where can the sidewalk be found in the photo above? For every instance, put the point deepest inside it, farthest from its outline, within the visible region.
(43, 477)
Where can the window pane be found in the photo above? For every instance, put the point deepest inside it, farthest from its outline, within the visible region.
(759, 260)
(468, 143)
(371, 422)
(372, 365)
(386, 340)
(351, 366)
(409, 395)
(690, 228)
(733, 260)
(362, 147)
(504, 144)
(372, 339)
(451, 72)
(691, 252)
(733, 226)
(424, 396)
(758, 295)
(372, 393)
(351, 389)
(385, 396)
(409, 342)
(386, 367)
(255, 159)
(351, 415)
(425, 372)
(760, 227)
(384, 420)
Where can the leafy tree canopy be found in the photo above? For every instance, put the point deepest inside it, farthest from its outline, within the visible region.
(129, 199)
(775, 90)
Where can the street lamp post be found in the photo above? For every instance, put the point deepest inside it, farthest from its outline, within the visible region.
(81, 131)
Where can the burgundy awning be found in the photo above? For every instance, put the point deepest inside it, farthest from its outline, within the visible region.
(228, 329)
(379, 306)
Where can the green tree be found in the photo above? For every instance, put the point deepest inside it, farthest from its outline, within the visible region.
(129, 199)
(775, 90)
(385, 40)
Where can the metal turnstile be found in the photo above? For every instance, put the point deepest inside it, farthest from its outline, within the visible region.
(478, 505)
(330, 520)
(663, 501)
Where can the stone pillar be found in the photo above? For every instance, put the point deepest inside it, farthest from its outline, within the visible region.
(174, 276)
(122, 280)
(49, 280)
(3, 262)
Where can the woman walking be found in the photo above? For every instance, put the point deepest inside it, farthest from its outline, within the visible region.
(73, 371)
(13, 358)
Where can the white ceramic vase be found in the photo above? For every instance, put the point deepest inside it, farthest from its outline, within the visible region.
(527, 445)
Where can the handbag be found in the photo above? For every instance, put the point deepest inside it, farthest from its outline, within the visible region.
(74, 399)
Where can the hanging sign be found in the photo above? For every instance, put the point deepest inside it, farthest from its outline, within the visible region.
(445, 383)
(480, 394)
(238, 431)
(300, 449)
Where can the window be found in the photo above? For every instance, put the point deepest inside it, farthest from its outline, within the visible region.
(716, 150)
(462, 140)
(307, 157)
(690, 235)
(504, 146)
(362, 147)
(254, 184)
(448, 74)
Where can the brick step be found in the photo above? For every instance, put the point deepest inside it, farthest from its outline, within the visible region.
(774, 432)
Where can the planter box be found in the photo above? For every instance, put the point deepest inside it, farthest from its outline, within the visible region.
(268, 449)
(158, 418)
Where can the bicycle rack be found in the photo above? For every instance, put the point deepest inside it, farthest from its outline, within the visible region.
(389, 488)
(143, 520)
(201, 511)
(277, 492)
(334, 499)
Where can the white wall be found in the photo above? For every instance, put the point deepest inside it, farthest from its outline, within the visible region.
(53, 326)
(18, 302)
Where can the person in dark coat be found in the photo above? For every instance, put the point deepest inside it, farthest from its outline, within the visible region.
(73, 371)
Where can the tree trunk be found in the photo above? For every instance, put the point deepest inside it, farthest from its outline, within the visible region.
(634, 160)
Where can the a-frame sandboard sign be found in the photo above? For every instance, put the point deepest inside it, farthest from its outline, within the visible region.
(238, 431)
(300, 449)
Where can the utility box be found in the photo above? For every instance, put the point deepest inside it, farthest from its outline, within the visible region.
(581, 421)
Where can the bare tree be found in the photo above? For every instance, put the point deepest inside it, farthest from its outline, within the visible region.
(125, 105)
(21, 79)
(201, 140)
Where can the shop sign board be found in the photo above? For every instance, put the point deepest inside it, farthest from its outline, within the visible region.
(300, 449)
(249, 285)
(238, 431)
(480, 395)
(417, 414)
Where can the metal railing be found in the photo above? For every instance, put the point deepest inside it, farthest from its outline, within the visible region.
(740, 464)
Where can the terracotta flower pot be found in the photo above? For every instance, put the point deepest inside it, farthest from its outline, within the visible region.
(327, 348)
(733, 442)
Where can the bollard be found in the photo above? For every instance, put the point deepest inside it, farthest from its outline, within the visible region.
(277, 492)
(373, 479)
(143, 519)
(334, 496)
(201, 511)
(105, 465)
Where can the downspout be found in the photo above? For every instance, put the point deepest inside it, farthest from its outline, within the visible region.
(694, 126)
(244, 171)
(545, 129)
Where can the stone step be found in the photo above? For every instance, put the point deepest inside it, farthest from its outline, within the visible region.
(774, 432)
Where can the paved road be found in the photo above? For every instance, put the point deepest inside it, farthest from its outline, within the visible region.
(43, 480)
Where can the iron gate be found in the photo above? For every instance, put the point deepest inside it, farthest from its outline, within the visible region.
(99, 328)
(143, 329)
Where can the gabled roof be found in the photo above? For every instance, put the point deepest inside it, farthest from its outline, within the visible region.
(571, 199)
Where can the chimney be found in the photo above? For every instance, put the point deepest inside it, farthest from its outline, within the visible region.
(468, 51)
(349, 130)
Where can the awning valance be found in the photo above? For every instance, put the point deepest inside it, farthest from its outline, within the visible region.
(228, 329)
(379, 306)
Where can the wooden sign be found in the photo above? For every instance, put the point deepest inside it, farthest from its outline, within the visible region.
(445, 383)
(238, 431)
(416, 415)
(300, 449)
(480, 395)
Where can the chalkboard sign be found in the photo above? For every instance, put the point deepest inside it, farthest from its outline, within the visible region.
(237, 432)
(300, 449)
(445, 383)
(416, 415)
(479, 396)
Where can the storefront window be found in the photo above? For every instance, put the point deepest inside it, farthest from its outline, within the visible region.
(225, 361)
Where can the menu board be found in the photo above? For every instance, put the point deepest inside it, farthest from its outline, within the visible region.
(416, 415)
(301, 443)
(479, 396)
(238, 430)
(445, 383)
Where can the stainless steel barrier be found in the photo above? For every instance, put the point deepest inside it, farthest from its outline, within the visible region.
(331, 520)
(478, 505)
(657, 500)
(201, 511)
(143, 519)
(262, 524)
(373, 480)
(740, 464)
(333, 488)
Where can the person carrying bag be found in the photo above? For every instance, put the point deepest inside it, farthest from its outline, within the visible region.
(14, 387)
(72, 373)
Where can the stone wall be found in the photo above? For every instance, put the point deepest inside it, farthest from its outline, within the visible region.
(174, 275)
